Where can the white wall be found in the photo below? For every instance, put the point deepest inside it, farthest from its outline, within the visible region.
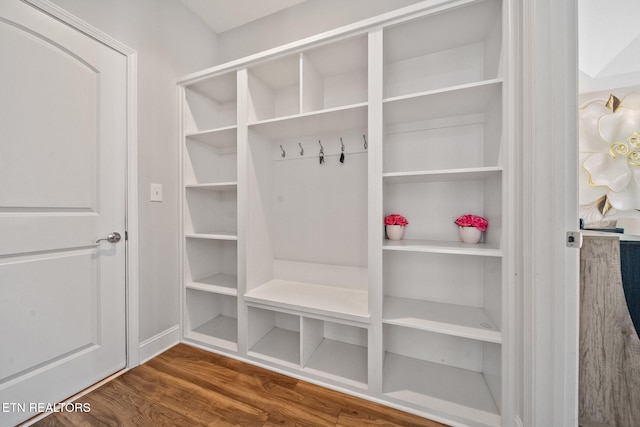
(171, 41)
(306, 19)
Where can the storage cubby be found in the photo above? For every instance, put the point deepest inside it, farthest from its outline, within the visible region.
(211, 265)
(443, 373)
(274, 336)
(210, 104)
(335, 351)
(457, 129)
(429, 291)
(335, 75)
(436, 51)
(419, 199)
(211, 318)
(274, 89)
(211, 210)
(211, 158)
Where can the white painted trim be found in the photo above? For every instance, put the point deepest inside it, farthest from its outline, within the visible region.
(181, 192)
(511, 279)
(549, 209)
(417, 10)
(159, 343)
(132, 274)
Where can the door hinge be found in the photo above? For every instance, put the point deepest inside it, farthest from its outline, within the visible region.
(574, 239)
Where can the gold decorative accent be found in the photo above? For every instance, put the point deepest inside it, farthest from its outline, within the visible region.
(603, 204)
(630, 149)
(634, 158)
(618, 148)
(613, 103)
(634, 139)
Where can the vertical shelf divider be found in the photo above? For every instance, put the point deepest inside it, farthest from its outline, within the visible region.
(243, 138)
(312, 335)
(375, 135)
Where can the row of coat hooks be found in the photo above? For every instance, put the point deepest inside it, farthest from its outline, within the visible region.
(321, 153)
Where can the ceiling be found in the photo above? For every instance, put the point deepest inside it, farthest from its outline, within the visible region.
(223, 15)
(609, 42)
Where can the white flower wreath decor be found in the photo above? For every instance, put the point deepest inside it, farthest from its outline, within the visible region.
(610, 138)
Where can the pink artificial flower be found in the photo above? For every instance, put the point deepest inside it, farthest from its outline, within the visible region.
(396, 219)
(472, 221)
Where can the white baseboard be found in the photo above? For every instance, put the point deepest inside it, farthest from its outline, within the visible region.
(159, 343)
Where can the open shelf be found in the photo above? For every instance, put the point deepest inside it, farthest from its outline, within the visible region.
(211, 319)
(425, 384)
(455, 129)
(221, 331)
(205, 163)
(315, 123)
(211, 207)
(213, 235)
(218, 186)
(449, 102)
(443, 372)
(432, 52)
(451, 319)
(280, 346)
(220, 283)
(211, 103)
(274, 88)
(432, 201)
(211, 265)
(223, 138)
(274, 337)
(335, 351)
(442, 247)
(430, 291)
(339, 303)
(468, 174)
(335, 75)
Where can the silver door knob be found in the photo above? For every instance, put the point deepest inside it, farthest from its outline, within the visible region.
(111, 238)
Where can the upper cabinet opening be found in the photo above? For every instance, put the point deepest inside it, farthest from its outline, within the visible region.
(444, 49)
(335, 75)
(331, 76)
(211, 104)
(274, 89)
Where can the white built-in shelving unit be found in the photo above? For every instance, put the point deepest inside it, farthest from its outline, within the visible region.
(292, 158)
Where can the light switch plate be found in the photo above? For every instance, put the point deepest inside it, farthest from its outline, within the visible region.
(156, 192)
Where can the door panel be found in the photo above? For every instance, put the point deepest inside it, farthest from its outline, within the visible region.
(63, 135)
(41, 82)
(38, 302)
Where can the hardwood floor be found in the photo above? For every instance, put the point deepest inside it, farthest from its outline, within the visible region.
(186, 386)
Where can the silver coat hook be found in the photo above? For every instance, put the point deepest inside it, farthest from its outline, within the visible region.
(321, 156)
(365, 141)
(283, 152)
(301, 149)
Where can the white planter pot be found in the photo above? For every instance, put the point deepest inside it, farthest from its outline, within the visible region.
(395, 232)
(470, 234)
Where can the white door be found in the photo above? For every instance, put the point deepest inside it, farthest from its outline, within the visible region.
(62, 187)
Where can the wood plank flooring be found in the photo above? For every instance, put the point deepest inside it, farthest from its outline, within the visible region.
(186, 386)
